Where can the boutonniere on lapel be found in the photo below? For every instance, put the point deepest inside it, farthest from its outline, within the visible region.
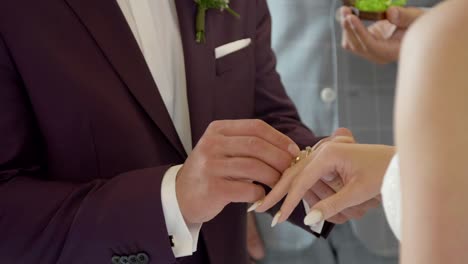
(202, 7)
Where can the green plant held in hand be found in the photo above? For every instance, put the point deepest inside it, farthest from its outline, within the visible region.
(377, 5)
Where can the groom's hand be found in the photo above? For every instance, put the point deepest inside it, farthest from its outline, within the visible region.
(223, 167)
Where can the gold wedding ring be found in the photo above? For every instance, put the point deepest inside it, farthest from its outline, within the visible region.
(307, 151)
(302, 155)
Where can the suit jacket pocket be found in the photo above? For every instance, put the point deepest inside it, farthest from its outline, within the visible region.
(235, 85)
(233, 62)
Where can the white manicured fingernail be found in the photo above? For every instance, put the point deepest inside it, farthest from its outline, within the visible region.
(293, 149)
(275, 219)
(313, 218)
(391, 31)
(254, 206)
(329, 178)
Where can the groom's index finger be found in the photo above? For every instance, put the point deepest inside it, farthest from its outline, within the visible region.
(256, 128)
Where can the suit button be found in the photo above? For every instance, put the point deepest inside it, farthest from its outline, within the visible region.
(132, 259)
(143, 258)
(328, 95)
(115, 260)
(124, 260)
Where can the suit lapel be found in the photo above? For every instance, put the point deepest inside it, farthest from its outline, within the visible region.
(199, 67)
(106, 23)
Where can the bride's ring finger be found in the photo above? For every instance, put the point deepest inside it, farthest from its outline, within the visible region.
(281, 188)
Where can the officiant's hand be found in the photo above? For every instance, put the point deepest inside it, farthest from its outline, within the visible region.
(360, 167)
(381, 41)
(223, 167)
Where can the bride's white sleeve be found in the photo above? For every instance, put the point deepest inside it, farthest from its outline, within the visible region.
(391, 196)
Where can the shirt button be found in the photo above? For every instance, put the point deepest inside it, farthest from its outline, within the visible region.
(328, 95)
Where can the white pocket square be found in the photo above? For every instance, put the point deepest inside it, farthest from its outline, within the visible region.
(232, 47)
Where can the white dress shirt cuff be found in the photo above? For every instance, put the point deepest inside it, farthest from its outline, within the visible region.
(318, 227)
(184, 236)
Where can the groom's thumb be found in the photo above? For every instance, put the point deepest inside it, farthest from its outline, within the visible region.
(330, 206)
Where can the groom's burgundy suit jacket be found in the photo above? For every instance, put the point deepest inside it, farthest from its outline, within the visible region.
(85, 137)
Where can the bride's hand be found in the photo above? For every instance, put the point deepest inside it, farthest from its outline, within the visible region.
(323, 189)
(360, 168)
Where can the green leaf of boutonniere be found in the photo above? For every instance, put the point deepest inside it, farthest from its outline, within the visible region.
(202, 7)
